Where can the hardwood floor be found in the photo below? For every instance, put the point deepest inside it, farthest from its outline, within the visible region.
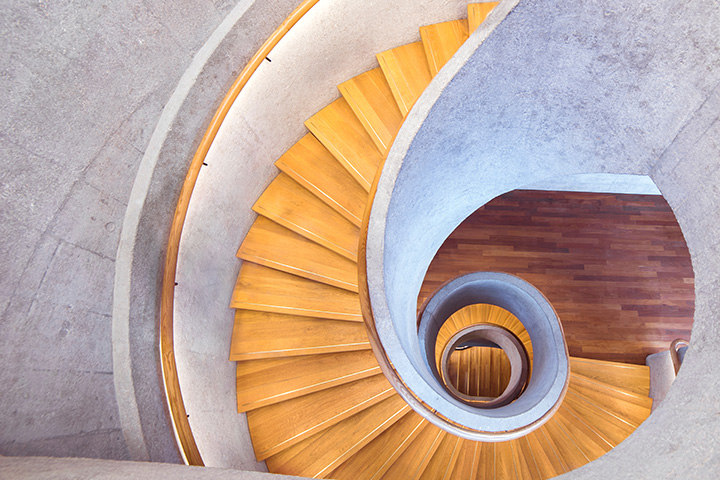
(615, 267)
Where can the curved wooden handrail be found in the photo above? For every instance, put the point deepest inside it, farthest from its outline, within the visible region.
(187, 445)
(676, 345)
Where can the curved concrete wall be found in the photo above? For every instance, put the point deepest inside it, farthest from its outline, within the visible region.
(571, 88)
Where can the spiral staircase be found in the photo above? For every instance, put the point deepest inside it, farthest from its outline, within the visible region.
(317, 403)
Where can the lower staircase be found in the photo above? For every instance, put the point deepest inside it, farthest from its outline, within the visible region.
(317, 403)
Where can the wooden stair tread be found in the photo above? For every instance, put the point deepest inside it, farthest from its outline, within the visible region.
(320, 454)
(442, 463)
(371, 99)
(569, 453)
(268, 290)
(633, 378)
(525, 466)
(613, 429)
(374, 459)
(467, 464)
(291, 205)
(546, 458)
(612, 400)
(407, 72)
(477, 13)
(442, 40)
(277, 427)
(270, 381)
(310, 164)
(272, 245)
(258, 335)
(412, 462)
(504, 461)
(592, 444)
(340, 131)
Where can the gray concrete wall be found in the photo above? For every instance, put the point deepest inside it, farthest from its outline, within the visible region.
(573, 88)
(83, 87)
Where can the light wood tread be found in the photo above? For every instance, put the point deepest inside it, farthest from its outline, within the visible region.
(442, 40)
(477, 12)
(310, 164)
(547, 459)
(568, 452)
(340, 131)
(277, 427)
(442, 463)
(634, 378)
(320, 454)
(371, 99)
(374, 459)
(258, 335)
(272, 245)
(590, 442)
(268, 290)
(631, 407)
(612, 428)
(291, 205)
(412, 462)
(270, 381)
(407, 72)
(524, 460)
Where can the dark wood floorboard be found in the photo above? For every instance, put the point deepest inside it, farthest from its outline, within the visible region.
(615, 267)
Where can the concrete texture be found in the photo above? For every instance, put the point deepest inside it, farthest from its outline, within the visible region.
(39, 468)
(580, 88)
(84, 85)
(550, 362)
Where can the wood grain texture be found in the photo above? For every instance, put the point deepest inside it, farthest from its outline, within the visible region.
(442, 463)
(633, 378)
(615, 267)
(340, 131)
(407, 72)
(257, 335)
(269, 290)
(441, 41)
(373, 460)
(371, 99)
(310, 164)
(477, 13)
(286, 202)
(320, 454)
(547, 459)
(266, 382)
(272, 245)
(277, 427)
(411, 464)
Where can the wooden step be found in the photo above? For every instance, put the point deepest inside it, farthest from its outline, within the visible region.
(272, 245)
(546, 457)
(504, 462)
(633, 378)
(442, 463)
(632, 408)
(468, 462)
(268, 290)
(325, 451)
(274, 380)
(286, 202)
(441, 41)
(412, 462)
(477, 13)
(340, 131)
(277, 427)
(612, 428)
(374, 459)
(525, 466)
(569, 453)
(407, 72)
(592, 444)
(310, 164)
(371, 99)
(257, 335)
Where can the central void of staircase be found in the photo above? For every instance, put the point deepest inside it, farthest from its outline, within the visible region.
(317, 398)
